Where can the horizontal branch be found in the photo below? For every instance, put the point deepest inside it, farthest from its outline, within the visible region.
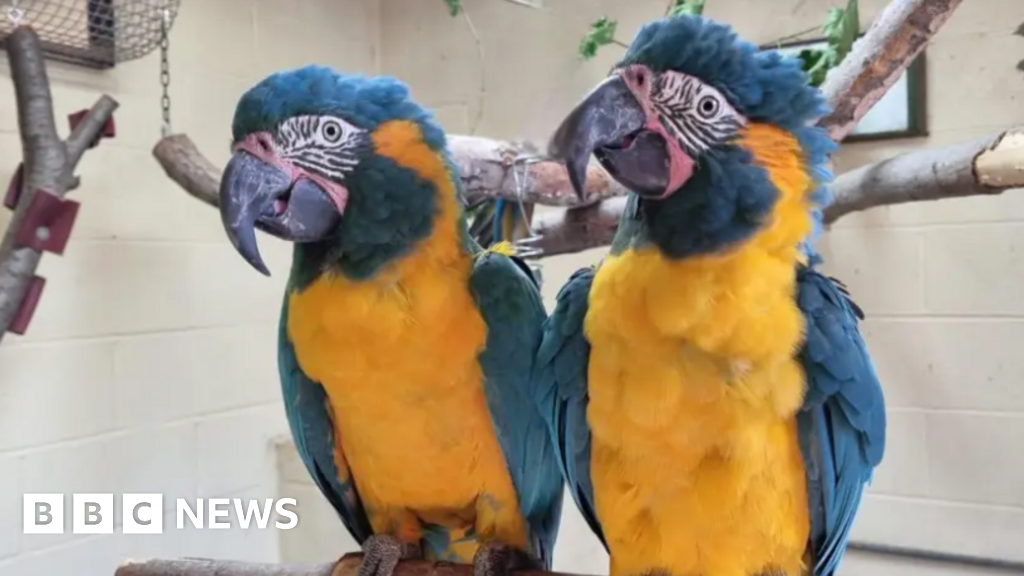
(987, 166)
(347, 566)
(990, 165)
(487, 168)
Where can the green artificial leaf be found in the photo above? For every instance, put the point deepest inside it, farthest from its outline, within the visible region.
(842, 26)
(687, 8)
(816, 63)
(602, 33)
(454, 7)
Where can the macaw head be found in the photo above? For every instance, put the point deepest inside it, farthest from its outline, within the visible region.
(712, 137)
(347, 167)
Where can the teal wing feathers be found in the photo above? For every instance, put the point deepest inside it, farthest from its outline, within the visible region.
(842, 422)
(510, 303)
(560, 370)
(312, 428)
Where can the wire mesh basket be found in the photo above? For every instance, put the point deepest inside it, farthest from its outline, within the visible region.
(92, 33)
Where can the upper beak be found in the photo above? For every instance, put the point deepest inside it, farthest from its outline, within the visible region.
(610, 123)
(254, 193)
(247, 189)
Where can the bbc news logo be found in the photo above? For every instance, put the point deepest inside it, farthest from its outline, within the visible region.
(144, 513)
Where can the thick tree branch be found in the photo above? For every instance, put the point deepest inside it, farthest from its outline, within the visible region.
(987, 166)
(187, 166)
(487, 168)
(990, 165)
(347, 566)
(48, 168)
(579, 229)
(877, 60)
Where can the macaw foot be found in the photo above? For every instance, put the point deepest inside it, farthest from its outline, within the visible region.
(500, 559)
(381, 553)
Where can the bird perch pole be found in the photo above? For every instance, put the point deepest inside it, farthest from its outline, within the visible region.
(899, 34)
(347, 566)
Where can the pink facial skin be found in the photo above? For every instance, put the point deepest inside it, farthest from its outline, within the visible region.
(261, 145)
(639, 79)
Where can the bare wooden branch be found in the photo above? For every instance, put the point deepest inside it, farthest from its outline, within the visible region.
(488, 169)
(202, 567)
(990, 165)
(186, 165)
(878, 59)
(579, 229)
(987, 166)
(89, 129)
(48, 163)
(347, 566)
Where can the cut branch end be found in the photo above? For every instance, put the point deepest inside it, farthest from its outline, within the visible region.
(1002, 165)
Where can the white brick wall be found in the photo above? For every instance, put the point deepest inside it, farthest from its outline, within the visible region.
(151, 365)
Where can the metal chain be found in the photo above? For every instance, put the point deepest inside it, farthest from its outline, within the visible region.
(165, 73)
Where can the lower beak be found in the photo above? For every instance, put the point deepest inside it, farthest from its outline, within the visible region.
(610, 123)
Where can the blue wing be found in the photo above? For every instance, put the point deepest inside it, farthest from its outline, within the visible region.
(842, 422)
(312, 427)
(508, 299)
(561, 372)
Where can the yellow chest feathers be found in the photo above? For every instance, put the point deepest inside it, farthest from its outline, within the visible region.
(693, 387)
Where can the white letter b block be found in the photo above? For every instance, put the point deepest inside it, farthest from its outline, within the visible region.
(142, 513)
(92, 514)
(43, 513)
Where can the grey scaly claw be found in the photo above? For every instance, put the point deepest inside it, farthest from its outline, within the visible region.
(382, 553)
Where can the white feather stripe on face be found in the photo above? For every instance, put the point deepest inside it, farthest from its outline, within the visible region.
(324, 145)
(696, 114)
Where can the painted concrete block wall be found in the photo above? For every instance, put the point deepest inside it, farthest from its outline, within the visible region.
(150, 364)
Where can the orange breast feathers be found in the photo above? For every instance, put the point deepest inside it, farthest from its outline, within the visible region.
(397, 357)
(693, 391)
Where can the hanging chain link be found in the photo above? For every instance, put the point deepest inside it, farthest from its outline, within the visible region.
(165, 73)
(15, 13)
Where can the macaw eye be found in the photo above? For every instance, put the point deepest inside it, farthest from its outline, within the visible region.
(707, 107)
(330, 131)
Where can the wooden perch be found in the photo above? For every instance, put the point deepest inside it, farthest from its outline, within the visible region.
(987, 166)
(990, 165)
(877, 60)
(347, 566)
(488, 167)
(42, 217)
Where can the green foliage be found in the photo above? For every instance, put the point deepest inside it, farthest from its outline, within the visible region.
(602, 33)
(454, 7)
(686, 8)
(841, 29)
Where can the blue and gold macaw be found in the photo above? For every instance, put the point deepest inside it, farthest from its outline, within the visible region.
(405, 349)
(717, 411)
